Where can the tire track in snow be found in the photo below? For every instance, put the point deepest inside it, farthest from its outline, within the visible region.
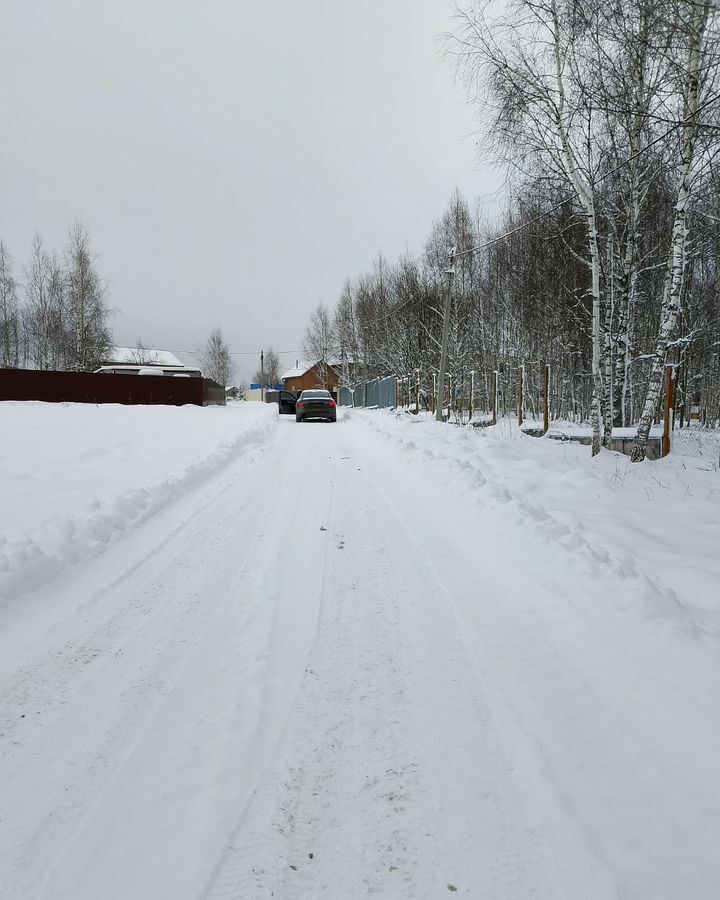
(196, 622)
(395, 777)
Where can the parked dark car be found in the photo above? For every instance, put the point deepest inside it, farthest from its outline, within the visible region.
(315, 404)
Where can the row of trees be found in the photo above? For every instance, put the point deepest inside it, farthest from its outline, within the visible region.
(57, 317)
(604, 260)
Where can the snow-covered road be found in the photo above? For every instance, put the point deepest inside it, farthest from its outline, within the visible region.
(328, 671)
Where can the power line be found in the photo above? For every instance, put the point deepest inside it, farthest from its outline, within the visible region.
(233, 352)
(596, 181)
(540, 216)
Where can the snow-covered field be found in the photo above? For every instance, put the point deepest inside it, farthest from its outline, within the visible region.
(245, 658)
(75, 476)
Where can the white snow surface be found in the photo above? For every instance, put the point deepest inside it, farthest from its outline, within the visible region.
(380, 658)
(74, 476)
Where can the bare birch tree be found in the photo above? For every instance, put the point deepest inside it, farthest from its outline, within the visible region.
(86, 314)
(9, 313)
(695, 76)
(320, 343)
(143, 355)
(215, 359)
(39, 311)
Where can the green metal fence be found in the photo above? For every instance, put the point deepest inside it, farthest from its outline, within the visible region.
(376, 394)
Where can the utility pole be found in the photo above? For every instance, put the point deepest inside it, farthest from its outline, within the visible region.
(343, 368)
(262, 376)
(450, 271)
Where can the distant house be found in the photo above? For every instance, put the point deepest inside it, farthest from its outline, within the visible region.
(144, 361)
(306, 376)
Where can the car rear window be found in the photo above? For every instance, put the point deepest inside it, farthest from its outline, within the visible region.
(315, 395)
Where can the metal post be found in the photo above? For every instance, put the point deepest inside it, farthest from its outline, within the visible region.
(450, 271)
(546, 400)
(669, 408)
(434, 393)
(472, 393)
(417, 392)
(262, 376)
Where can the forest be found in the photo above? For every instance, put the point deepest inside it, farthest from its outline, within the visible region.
(601, 259)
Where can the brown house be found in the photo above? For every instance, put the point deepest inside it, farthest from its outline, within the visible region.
(305, 378)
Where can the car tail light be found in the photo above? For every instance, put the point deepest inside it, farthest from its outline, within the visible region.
(332, 403)
(300, 403)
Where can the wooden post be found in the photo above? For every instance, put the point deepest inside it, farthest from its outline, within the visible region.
(417, 392)
(521, 397)
(546, 400)
(434, 396)
(495, 397)
(472, 393)
(669, 408)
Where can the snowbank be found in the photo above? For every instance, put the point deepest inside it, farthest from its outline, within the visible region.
(657, 521)
(73, 477)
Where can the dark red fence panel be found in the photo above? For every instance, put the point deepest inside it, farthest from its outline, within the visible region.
(213, 393)
(83, 387)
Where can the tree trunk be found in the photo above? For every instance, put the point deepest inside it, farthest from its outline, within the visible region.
(584, 190)
(672, 290)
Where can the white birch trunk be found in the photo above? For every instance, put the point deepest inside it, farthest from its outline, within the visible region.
(585, 195)
(672, 289)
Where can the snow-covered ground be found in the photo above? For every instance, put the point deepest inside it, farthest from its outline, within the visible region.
(379, 658)
(74, 476)
(659, 521)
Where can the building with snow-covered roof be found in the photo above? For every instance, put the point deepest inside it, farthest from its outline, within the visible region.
(306, 376)
(144, 361)
(141, 356)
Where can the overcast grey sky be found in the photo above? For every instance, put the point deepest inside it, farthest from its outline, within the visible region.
(233, 161)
